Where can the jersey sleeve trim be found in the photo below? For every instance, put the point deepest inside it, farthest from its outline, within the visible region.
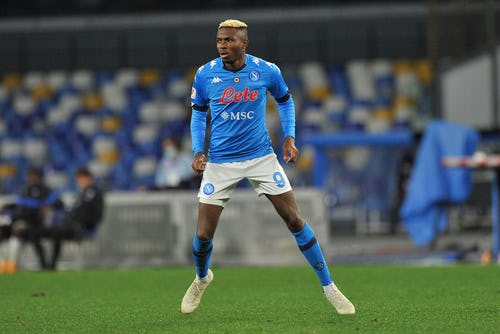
(284, 98)
(199, 108)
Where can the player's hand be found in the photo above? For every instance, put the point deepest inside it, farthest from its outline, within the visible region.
(199, 163)
(290, 152)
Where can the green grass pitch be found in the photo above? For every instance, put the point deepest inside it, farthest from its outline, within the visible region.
(388, 299)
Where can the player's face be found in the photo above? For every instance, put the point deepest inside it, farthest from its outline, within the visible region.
(83, 181)
(33, 179)
(231, 44)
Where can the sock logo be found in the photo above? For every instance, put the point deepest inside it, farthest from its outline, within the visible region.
(319, 266)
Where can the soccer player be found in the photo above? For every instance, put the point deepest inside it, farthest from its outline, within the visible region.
(81, 220)
(234, 88)
(29, 215)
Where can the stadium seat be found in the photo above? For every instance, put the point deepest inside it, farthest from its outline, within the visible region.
(82, 80)
(11, 149)
(35, 151)
(12, 81)
(70, 103)
(114, 96)
(150, 113)
(58, 179)
(149, 77)
(33, 80)
(357, 118)
(172, 110)
(336, 110)
(59, 154)
(92, 102)
(57, 79)
(87, 125)
(9, 182)
(126, 77)
(313, 119)
(384, 81)
(102, 78)
(361, 79)
(339, 81)
(143, 172)
(178, 89)
(105, 150)
(24, 105)
(111, 124)
(145, 139)
(3, 130)
(58, 121)
(315, 81)
(4, 95)
(101, 170)
(121, 174)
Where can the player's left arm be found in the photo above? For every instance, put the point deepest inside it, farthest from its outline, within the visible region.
(290, 152)
(286, 109)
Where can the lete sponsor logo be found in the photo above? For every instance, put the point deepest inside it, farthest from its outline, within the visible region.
(230, 95)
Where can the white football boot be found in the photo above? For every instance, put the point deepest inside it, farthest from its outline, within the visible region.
(192, 298)
(338, 300)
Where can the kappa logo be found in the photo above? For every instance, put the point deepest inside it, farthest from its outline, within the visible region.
(216, 79)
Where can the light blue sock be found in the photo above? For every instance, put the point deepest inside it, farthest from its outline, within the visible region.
(202, 251)
(309, 246)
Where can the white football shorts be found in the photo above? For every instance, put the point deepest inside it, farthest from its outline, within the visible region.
(265, 174)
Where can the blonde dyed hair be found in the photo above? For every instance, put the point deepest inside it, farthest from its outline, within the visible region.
(233, 24)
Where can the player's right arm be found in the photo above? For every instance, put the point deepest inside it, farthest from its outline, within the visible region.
(199, 108)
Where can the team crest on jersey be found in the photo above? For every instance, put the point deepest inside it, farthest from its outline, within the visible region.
(236, 80)
(193, 93)
(254, 75)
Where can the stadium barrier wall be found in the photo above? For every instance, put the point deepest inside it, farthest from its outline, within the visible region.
(156, 229)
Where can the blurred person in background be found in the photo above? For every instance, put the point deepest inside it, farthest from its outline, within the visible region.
(81, 221)
(174, 169)
(29, 215)
(234, 88)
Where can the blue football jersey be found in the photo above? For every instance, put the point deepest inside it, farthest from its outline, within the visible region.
(237, 103)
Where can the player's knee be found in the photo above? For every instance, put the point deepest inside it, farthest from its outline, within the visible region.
(295, 223)
(19, 228)
(204, 235)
